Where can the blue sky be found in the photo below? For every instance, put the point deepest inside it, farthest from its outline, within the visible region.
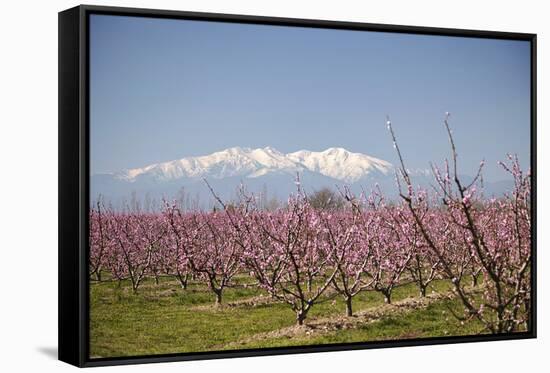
(165, 89)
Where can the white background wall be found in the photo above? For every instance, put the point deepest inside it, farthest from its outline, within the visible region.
(28, 184)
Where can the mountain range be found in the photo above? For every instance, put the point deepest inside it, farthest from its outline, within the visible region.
(262, 170)
(337, 163)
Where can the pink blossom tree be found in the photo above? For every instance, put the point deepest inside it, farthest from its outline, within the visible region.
(100, 239)
(504, 253)
(289, 256)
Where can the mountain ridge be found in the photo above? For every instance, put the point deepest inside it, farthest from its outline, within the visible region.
(261, 171)
(337, 163)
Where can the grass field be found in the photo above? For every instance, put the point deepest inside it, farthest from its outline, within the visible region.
(163, 318)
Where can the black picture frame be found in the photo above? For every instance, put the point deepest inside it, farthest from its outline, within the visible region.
(74, 182)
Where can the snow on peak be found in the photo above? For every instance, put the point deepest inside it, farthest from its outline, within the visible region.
(337, 163)
(341, 164)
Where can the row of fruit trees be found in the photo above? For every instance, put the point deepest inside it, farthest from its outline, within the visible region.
(301, 255)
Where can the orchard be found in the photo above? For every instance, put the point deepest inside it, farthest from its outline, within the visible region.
(302, 256)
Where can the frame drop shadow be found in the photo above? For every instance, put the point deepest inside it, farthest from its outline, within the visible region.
(49, 351)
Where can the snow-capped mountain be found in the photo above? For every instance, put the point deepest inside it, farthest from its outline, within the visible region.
(336, 163)
(262, 170)
(341, 164)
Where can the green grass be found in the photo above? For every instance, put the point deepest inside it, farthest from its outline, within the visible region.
(434, 321)
(164, 318)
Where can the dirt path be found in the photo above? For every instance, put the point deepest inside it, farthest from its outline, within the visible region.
(315, 327)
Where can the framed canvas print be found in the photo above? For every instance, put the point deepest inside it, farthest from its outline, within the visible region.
(237, 186)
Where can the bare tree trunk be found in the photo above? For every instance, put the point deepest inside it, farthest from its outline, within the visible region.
(387, 296)
(183, 281)
(423, 290)
(218, 297)
(300, 317)
(349, 309)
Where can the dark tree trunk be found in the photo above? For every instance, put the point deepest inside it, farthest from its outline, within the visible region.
(349, 309)
(387, 296)
(183, 281)
(423, 290)
(218, 297)
(300, 317)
